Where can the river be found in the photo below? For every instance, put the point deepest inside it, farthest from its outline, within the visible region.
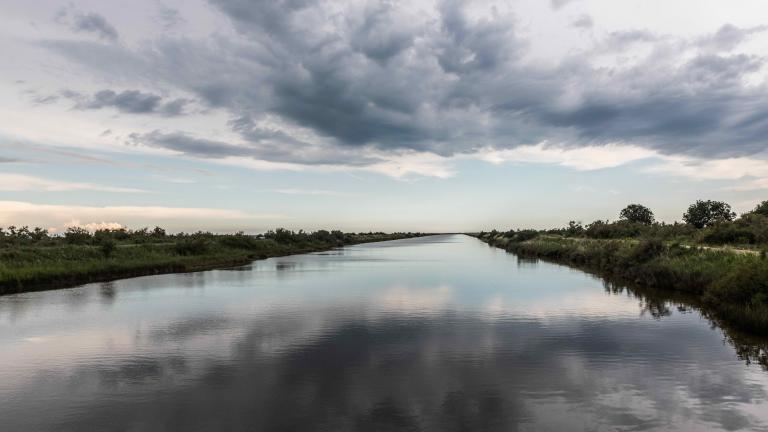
(440, 333)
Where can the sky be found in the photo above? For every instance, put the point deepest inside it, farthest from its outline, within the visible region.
(438, 116)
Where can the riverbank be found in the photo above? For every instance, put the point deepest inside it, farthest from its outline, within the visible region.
(732, 287)
(56, 263)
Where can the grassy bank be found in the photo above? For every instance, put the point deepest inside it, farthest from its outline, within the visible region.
(732, 287)
(31, 260)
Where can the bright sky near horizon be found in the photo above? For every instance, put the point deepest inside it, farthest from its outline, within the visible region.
(229, 115)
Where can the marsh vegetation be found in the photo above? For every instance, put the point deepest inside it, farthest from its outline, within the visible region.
(713, 255)
(32, 259)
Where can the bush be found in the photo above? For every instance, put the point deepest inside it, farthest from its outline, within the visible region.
(616, 230)
(107, 247)
(647, 250)
(239, 241)
(750, 228)
(192, 246)
(728, 233)
(77, 235)
(574, 229)
(282, 235)
(745, 283)
(762, 208)
(521, 235)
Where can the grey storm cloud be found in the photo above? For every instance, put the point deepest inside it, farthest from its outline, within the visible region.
(191, 146)
(271, 146)
(584, 21)
(88, 22)
(729, 36)
(557, 4)
(128, 101)
(381, 77)
(44, 99)
(170, 17)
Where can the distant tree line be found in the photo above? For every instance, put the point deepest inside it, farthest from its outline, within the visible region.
(187, 243)
(35, 259)
(706, 221)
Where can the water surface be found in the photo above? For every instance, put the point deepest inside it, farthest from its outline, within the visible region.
(441, 333)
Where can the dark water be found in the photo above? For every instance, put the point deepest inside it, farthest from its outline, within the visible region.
(440, 333)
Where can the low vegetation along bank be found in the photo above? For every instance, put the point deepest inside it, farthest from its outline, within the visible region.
(721, 261)
(31, 259)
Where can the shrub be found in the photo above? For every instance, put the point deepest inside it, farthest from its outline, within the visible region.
(522, 235)
(762, 208)
(77, 235)
(745, 283)
(107, 247)
(239, 241)
(647, 250)
(192, 246)
(725, 233)
(616, 230)
(574, 229)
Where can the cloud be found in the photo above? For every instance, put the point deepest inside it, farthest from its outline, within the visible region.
(736, 168)
(127, 101)
(260, 144)
(131, 101)
(757, 184)
(4, 159)
(729, 37)
(20, 182)
(88, 22)
(318, 192)
(557, 4)
(580, 158)
(584, 22)
(94, 226)
(406, 165)
(44, 99)
(191, 146)
(59, 216)
(170, 17)
(358, 84)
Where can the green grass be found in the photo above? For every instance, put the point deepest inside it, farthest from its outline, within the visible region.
(56, 264)
(732, 287)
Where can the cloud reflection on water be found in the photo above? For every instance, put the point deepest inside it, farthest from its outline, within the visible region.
(424, 345)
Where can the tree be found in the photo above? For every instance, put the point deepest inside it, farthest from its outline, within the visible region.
(706, 213)
(637, 213)
(762, 208)
(574, 229)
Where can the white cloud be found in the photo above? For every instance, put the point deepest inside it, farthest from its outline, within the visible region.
(93, 226)
(713, 169)
(748, 173)
(61, 216)
(314, 192)
(758, 184)
(580, 158)
(21, 182)
(408, 164)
